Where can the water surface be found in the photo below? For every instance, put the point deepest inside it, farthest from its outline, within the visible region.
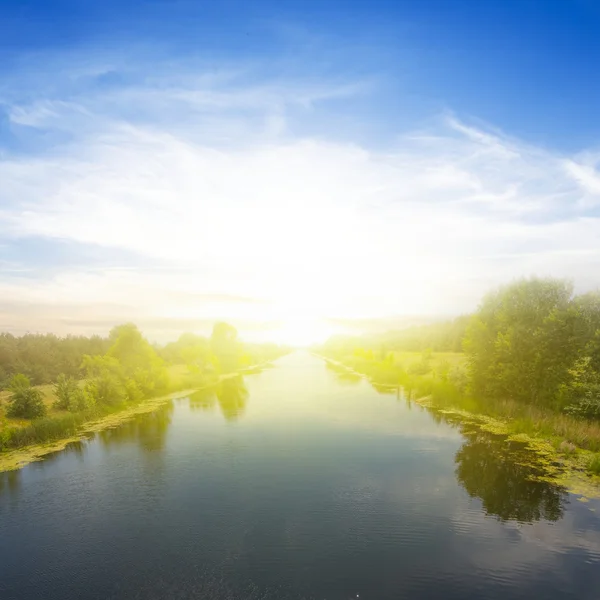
(293, 483)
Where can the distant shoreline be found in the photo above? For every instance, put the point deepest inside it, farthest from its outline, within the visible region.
(19, 457)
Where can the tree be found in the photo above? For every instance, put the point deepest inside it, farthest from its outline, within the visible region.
(69, 396)
(522, 342)
(104, 383)
(224, 346)
(65, 390)
(138, 360)
(43, 357)
(26, 402)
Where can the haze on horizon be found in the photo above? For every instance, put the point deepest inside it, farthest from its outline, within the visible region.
(297, 176)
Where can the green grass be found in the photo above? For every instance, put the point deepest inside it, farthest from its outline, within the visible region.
(57, 424)
(594, 464)
(443, 383)
(47, 429)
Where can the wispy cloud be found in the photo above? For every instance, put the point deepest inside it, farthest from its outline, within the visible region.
(213, 177)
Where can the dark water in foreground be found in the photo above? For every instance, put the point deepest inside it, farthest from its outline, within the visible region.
(292, 484)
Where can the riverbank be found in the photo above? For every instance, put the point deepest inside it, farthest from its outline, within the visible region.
(52, 434)
(566, 448)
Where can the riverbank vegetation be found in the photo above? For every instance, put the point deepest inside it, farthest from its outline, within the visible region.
(530, 360)
(122, 371)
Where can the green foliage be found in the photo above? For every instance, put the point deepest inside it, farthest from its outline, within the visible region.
(446, 336)
(582, 393)
(104, 383)
(133, 391)
(138, 360)
(225, 347)
(130, 371)
(421, 367)
(442, 370)
(190, 349)
(19, 382)
(65, 390)
(26, 402)
(127, 369)
(522, 341)
(45, 429)
(43, 357)
(594, 465)
(459, 377)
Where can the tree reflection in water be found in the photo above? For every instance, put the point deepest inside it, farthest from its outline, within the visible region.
(10, 482)
(230, 394)
(149, 430)
(205, 399)
(507, 480)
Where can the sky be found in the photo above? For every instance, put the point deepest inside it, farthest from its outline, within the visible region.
(296, 168)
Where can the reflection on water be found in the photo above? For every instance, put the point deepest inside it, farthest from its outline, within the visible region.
(322, 489)
(506, 480)
(231, 395)
(10, 482)
(148, 430)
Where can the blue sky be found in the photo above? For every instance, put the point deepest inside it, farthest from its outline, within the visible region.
(452, 143)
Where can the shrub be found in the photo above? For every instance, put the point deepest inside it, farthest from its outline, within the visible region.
(459, 377)
(586, 408)
(26, 402)
(420, 368)
(65, 390)
(594, 465)
(133, 393)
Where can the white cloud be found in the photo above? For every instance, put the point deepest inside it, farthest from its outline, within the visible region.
(214, 181)
(584, 171)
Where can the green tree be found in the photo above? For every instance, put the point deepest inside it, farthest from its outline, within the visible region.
(105, 383)
(26, 402)
(522, 341)
(138, 360)
(225, 347)
(65, 390)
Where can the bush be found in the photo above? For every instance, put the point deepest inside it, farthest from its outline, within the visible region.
(65, 389)
(26, 402)
(420, 368)
(587, 408)
(80, 401)
(133, 393)
(459, 377)
(582, 394)
(594, 465)
(442, 370)
(104, 390)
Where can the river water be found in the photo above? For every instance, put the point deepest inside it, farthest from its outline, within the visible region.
(292, 483)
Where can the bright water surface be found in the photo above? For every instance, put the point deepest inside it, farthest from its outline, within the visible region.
(293, 483)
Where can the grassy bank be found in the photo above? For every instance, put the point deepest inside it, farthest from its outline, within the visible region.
(23, 441)
(16, 433)
(438, 382)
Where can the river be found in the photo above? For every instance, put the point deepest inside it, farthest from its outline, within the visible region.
(293, 483)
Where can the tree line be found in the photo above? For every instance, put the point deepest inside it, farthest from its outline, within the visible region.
(445, 336)
(532, 341)
(124, 367)
(42, 357)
